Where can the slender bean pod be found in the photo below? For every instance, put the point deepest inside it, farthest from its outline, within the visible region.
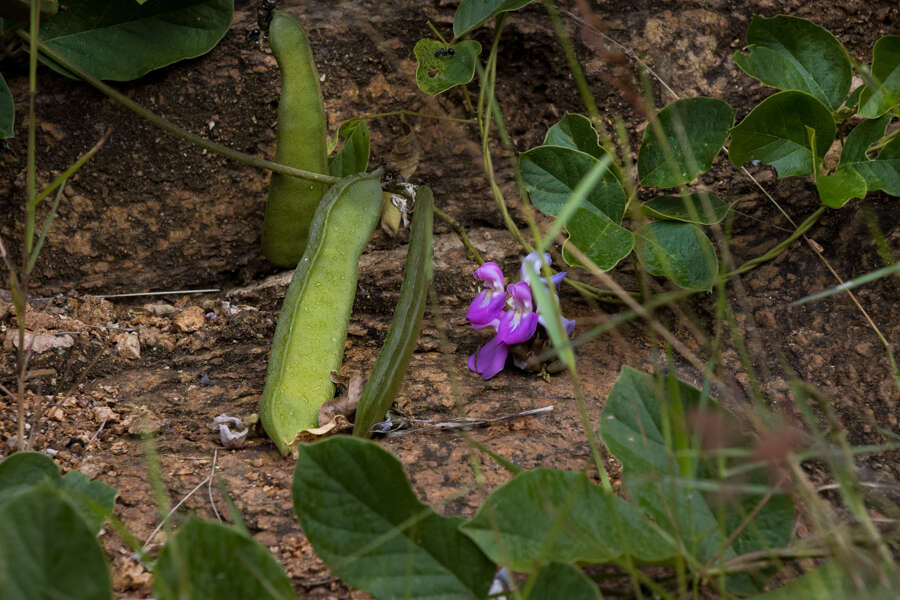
(390, 366)
(302, 144)
(312, 326)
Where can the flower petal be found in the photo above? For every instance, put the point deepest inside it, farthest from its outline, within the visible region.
(491, 274)
(557, 279)
(516, 327)
(535, 261)
(490, 358)
(486, 307)
(519, 296)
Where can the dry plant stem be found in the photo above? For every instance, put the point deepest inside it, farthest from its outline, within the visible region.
(574, 66)
(412, 113)
(177, 131)
(471, 251)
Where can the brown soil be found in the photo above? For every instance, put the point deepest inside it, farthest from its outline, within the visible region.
(150, 213)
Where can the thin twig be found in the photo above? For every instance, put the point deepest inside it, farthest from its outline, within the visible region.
(471, 251)
(137, 294)
(209, 485)
(174, 508)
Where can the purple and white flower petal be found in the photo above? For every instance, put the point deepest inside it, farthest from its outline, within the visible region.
(490, 358)
(535, 261)
(488, 304)
(568, 324)
(518, 324)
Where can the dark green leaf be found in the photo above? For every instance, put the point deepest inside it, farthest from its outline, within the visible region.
(94, 500)
(885, 72)
(598, 237)
(679, 251)
(47, 551)
(700, 208)
(438, 71)
(693, 131)
(473, 13)
(7, 111)
(551, 174)
(208, 559)
(863, 135)
(23, 470)
(775, 133)
(793, 54)
(547, 515)
(353, 157)
(834, 582)
(122, 41)
(836, 190)
(577, 132)
(562, 580)
(361, 516)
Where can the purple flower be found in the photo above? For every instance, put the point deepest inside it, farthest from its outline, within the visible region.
(490, 358)
(519, 324)
(487, 307)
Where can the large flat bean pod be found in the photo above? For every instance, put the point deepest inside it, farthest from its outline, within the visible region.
(390, 366)
(312, 327)
(301, 144)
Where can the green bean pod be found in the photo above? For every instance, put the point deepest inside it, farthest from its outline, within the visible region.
(302, 144)
(390, 366)
(312, 326)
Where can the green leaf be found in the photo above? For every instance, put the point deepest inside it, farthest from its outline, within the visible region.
(775, 133)
(863, 135)
(23, 470)
(794, 54)
(700, 208)
(577, 132)
(886, 72)
(562, 580)
(598, 237)
(208, 559)
(836, 190)
(679, 251)
(47, 551)
(94, 500)
(551, 173)
(438, 71)
(473, 13)
(548, 515)
(7, 111)
(122, 41)
(693, 131)
(359, 513)
(832, 581)
(353, 157)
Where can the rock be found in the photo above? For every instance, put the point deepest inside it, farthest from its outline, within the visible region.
(39, 343)
(190, 319)
(105, 413)
(128, 346)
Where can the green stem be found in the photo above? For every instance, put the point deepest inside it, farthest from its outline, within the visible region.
(574, 66)
(471, 251)
(779, 248)
(174, 129)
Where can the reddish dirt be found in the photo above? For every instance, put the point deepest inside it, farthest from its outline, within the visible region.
(150, 213)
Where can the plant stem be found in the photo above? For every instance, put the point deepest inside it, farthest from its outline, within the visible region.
(471, 251)
(174, 129)
(779, 248)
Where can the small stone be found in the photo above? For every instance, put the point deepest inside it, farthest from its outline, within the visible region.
(105, 413)
(128, 346)
(865, 349)
(39, 343)
(190, 319)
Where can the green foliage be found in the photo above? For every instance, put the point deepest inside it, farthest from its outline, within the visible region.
(794, 54)
(562, 580)
(702, 209)
(691, 134)
(438, 70)
(831, 581)
(600, 238)
(836, 190)
(883, 92)
(7, 110)
(121, 41)
(363, 519)
(882, 172)
(471, 14)
(206, 559)
(679, 251)
(576, 132)
(353, 157)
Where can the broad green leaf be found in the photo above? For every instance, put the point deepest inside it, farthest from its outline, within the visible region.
(122, 41)
(886, 72)
(832, 581)
(679, 251)
(208, 559)
(881, 173)
(551, 173)
(775, 133)
(7, 111)
(602, 240)
(789, 53)
(548, 515)
(562, 580)
(438, 70)
(353, 157)
(473, 13)
(93, 499)
(693, 131)
(577, 132)
(47, 550)
(836, 190)
(863, 135)
(699, 208)
(359, 513)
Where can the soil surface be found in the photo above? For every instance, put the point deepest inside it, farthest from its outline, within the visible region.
(151, 214)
